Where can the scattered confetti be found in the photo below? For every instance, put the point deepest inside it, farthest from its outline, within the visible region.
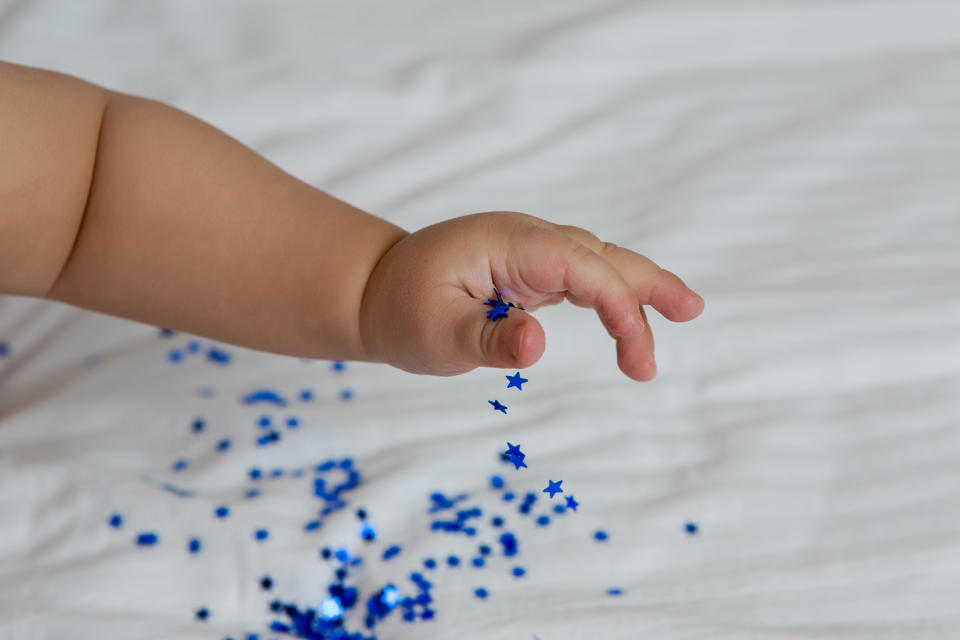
(338, 366)
(615, 591)
(519, 572)
(497, 406)
(481, 593)
(571, 503)
(203, 614)
(115, 521)
(601, 536)
(194, 545)
(691, 528)
(198, 425)
(516, 381)
(266, 583)
(346, 394)
(261, 534)
(223, 445)
(179, 465)
(222, 511)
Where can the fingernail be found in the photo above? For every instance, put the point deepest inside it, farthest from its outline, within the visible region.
(516, 342)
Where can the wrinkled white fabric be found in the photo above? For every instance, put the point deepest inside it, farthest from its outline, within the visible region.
(796, 162)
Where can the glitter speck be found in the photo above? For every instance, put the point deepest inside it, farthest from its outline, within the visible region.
(203, 614)
(147, 539)
(453, 561)
(481, 593)
(222, 511)
(194, 545)
(519, 572)
(261, 534)
(691, 528)
(115, 521)
(600, 535)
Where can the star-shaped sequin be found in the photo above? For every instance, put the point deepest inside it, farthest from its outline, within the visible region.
(571, 503)
(553, 488)
(497, 406)
(515, 456)
(500, 307)
(515, 381)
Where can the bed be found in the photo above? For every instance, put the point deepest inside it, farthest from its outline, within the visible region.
(791, 472)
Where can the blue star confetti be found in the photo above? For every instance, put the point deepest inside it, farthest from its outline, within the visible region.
(497, 406)
(500, 307)
(571, 503)
(553, 488)
(515, 381)
(515, 457)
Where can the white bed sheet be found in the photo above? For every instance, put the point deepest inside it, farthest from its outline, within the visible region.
(796, 162)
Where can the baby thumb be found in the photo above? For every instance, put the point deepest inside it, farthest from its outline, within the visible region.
(515, 340)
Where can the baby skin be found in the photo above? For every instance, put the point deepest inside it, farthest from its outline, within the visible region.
(133, 208)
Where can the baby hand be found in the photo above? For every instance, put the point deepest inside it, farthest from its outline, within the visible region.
(423, 307)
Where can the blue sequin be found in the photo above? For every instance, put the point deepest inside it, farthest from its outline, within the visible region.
(691, 528)
(478, 562)
(453, 561)
(267, 396)
(261, 534)
(600, 535)
(115, 521)
(510, 545)
(553, 488)
(496, 482)
(147, 539)
(218, 356)
(516, 381)
(543, 520)
(223, 445)
(222, 511)
(390, 552)
(194, 545)
(481, 593)
(430, 563)
(519, 572)
(255, 473)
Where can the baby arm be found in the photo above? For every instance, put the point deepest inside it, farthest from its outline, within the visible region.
(130, 207)
(133, 208)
